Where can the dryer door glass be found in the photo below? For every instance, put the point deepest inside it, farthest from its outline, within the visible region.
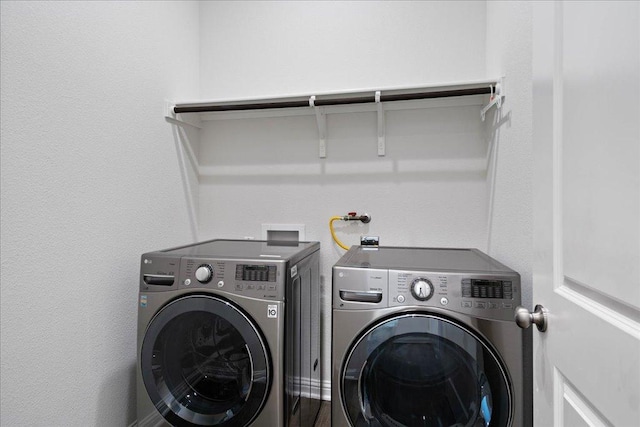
(423, 370)
(204, 363)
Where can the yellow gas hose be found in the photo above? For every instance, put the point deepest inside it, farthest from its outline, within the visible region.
(333, 233)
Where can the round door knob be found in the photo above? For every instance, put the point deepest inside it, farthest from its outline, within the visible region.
(524, 318)
(421, 289)
(204, 273)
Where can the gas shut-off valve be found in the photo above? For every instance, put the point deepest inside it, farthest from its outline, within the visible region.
(351, 216)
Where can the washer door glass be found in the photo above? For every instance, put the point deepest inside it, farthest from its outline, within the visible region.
(424, 370)
(204, 363)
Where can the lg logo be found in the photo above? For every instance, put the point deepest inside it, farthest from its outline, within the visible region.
(272, 311)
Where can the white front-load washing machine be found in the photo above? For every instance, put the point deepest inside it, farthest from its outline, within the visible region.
(426, 337)
(228, 334)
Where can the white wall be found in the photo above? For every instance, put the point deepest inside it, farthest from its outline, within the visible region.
(91, 177)
(90, 180)
(431, 187)
(252, 49)
(509, 50)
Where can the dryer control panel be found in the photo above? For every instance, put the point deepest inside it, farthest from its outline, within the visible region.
(478, 295)
(483, 296)
(463, 280)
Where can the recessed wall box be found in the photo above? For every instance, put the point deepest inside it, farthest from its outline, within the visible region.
(284, 232)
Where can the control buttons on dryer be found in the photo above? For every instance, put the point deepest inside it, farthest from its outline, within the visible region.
(204, 273)
(422, 289)
(400, 299)
(187, 282)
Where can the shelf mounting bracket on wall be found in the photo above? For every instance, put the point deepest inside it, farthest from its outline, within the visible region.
(172, 117)
(496, 98)
(381, 142)
(321, 119)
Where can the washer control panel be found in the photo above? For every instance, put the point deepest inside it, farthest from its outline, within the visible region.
(256, 272)
(255, 279)
(251, 279)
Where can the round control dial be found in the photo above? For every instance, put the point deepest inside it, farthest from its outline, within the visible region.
(422, 289)
(204, 273)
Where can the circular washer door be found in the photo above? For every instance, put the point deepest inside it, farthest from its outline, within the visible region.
(204, 363)
(421, 369)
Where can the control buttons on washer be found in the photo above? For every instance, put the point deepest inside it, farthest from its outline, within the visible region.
(204, 273)
(220, 284)
(422, 289)
(400, 299)
(187, 282)
(444, 301)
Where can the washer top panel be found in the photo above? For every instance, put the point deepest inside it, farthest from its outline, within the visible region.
(428, 259)
(244, 249)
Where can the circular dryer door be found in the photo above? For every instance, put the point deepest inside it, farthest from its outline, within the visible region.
(424, 370)
(204, 363)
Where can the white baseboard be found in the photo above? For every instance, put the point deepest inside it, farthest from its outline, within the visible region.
(326, 390)
(319, 389)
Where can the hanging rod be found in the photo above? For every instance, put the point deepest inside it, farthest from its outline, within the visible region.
(323, 102)
(494, 88)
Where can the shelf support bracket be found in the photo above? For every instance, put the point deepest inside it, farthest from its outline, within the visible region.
(322, 128)
(381, 129)
(496, 98)
(171, 116)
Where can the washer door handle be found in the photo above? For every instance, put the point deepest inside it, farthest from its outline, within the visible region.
(524, 318)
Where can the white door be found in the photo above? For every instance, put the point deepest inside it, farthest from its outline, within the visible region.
(587, 212)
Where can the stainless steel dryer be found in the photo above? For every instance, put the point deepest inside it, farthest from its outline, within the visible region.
(228, 334)
(426, 337)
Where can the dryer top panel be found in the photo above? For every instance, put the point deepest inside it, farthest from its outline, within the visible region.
(427, 259)
(245, 249)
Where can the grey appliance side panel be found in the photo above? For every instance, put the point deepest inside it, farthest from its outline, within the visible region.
(302, 338)
(313, 247)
